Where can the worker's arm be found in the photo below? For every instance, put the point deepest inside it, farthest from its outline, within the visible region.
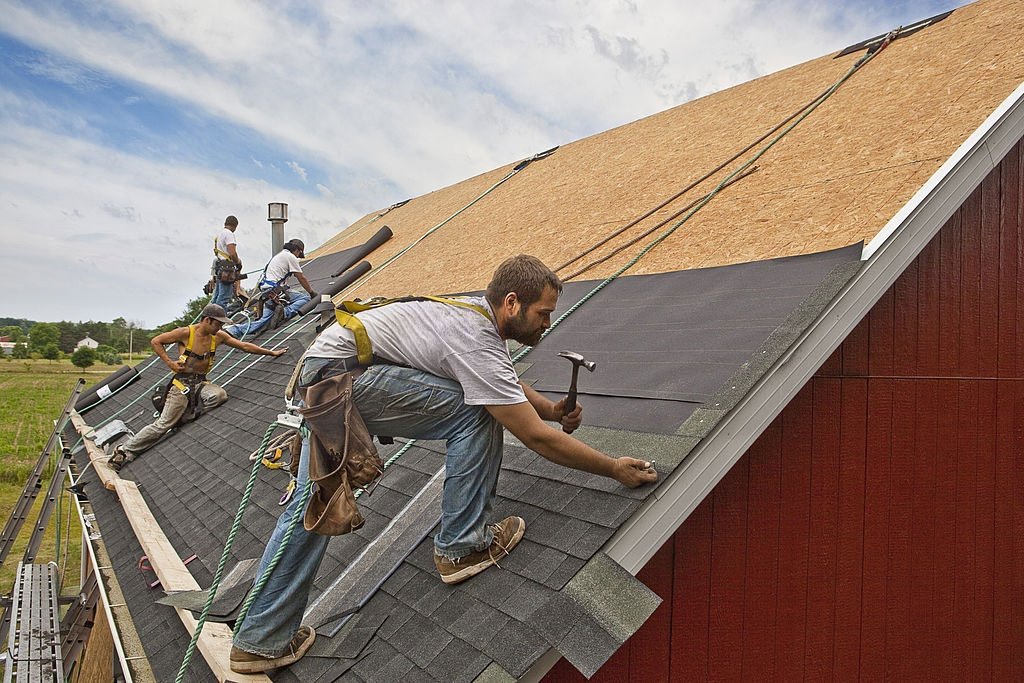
(554, 412)
(523, 420)
(233, 253)
(225, 338)
(176, 336)
(305, 283)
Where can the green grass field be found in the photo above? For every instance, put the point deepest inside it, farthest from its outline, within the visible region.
(32, 394)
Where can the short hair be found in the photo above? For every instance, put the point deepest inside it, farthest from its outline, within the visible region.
(525, 275)
(232, 221)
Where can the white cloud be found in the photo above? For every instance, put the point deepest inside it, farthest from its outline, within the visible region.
(298, 170)
(371, 103)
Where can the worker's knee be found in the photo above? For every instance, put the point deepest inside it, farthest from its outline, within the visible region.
(213, 395)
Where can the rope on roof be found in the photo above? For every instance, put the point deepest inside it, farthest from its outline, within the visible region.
(516, 169)
(708, 197)
(806, 108)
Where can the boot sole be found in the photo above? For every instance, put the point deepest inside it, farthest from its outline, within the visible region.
(259, 666)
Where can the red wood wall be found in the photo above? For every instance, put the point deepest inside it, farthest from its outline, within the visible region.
(876, 529)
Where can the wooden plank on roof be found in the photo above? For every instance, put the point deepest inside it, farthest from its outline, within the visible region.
(215, 640)
(96, 455)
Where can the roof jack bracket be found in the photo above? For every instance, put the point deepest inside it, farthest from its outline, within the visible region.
(873, 44)
(539, 155)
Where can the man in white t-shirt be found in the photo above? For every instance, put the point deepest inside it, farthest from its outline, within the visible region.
(284, 264)
(226, 264)
(441, 371)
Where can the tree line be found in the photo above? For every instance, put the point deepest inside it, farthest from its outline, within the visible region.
(53, 340)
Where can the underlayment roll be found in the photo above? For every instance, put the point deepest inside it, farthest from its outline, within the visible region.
(381, 236)
(112, 382)
(336, 286)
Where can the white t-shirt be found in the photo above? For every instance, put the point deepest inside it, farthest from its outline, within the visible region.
(283, 264)
(444, 340)
(225, 238)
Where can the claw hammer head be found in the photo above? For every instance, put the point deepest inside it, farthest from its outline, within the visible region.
(577, 361)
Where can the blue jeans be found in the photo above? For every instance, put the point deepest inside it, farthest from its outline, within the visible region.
(393, 401)
(295, 302)
(222, 292)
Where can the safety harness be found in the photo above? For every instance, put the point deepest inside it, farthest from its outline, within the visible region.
(188, 383)
(345, 314)
(226, 270)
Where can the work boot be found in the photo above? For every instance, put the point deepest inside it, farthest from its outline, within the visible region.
(507, 534)
(243, 662)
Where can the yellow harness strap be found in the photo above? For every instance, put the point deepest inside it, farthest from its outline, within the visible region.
(218, 253)
(191, 340)
(345, 315)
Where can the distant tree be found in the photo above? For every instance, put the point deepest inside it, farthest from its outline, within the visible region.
(98, 331)
(107, 354)
(70, 334)
(42, 334)
(20, 351)
(15, 333)
(192, 310)
(51, 352)
(83, 357)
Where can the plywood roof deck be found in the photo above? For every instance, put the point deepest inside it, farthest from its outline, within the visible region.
(835, 179)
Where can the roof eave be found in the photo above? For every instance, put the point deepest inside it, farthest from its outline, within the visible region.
(885, 258)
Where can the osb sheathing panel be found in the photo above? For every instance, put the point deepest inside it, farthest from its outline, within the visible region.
(835, 179)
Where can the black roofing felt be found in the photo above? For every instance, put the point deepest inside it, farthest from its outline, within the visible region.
(651, 337)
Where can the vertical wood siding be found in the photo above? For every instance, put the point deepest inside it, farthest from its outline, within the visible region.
(876, 529)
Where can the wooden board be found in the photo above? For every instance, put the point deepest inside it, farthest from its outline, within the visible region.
(215, 641)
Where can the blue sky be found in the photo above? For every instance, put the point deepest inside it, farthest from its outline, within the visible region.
(130, 128)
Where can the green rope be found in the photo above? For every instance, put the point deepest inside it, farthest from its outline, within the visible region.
(265, 576)
(223, 558)
(254, 592)
(518, 167)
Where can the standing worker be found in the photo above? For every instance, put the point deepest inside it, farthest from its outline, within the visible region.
(227, 265)
(189, 392)
(440, 370)
(283, 265)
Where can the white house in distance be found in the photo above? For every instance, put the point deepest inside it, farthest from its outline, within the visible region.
(88, 341)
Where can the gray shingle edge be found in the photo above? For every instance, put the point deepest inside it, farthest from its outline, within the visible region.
(885, 258)
(617, 601)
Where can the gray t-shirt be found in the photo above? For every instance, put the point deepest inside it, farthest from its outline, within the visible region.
(444, 340)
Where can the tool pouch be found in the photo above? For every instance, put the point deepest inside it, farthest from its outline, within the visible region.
(341, 456)
(226, 270)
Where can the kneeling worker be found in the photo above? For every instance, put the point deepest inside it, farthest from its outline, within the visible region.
(446, 374)
(283, 265)
(189, 390)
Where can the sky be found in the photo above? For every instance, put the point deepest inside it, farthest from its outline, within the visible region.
(129, 129)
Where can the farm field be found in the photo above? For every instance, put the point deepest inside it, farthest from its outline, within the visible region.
(32, 394)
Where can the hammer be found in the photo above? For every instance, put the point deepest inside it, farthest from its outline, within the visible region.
(577, 361)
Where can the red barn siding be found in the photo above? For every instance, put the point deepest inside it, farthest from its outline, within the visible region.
(876, 528)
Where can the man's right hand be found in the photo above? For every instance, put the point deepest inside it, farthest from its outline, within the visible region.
(633, 473)
(176, 365)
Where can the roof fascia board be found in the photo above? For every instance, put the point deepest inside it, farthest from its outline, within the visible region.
(904, 237)
(886, 257)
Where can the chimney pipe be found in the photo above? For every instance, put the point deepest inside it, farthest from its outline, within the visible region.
(277, 214)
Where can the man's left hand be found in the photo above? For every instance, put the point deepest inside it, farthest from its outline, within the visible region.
(279, 352)
(570, 422)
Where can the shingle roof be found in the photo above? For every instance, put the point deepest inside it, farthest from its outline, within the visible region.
(542, 597)
(678, 351)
